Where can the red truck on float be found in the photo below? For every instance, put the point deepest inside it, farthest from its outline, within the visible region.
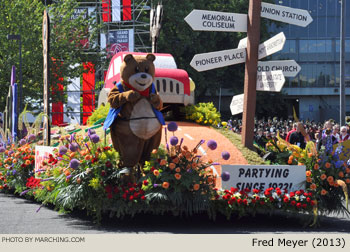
(173, 85)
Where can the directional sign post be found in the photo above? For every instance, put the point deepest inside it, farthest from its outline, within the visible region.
(236, 105)
(286, 14)
(203, 20)
(270, 81)
(207, 61)
(289, 68)
(212, 60)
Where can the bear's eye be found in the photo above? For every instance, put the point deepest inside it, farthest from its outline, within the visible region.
(137, 69)
(146, 69)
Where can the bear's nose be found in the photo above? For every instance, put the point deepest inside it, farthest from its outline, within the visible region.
(143, 76)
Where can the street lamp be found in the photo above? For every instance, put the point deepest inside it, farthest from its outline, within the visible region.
(342, 64)
(18, 37)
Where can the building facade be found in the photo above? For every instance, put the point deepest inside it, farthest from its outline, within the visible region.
(314, 92)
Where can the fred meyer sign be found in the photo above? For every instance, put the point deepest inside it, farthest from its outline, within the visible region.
(290, 177)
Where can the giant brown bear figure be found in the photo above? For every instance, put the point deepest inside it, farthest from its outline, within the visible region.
(134, 118)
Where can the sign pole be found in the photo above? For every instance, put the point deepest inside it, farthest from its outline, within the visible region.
(46, 50)
(251, 73)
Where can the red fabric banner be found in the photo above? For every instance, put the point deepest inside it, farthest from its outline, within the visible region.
(127, 10)
(88, 91)
(106, 11)
(56, 92)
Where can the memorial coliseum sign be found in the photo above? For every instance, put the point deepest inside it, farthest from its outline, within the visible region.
(202, 20)
(290, 177)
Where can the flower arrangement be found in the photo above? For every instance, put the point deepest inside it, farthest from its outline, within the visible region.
(203, 113)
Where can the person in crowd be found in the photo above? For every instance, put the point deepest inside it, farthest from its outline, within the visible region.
(260, 139)
(344, 135)
(327, 136)
(335, 132)
(291, 131)
(297, 136)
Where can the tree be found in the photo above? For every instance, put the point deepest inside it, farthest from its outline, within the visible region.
(178, 38)
(25, 18)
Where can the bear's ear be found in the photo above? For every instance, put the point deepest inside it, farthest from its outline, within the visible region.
(128, 58)
(150, 57)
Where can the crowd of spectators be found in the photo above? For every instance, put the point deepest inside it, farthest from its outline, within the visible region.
(295, 132)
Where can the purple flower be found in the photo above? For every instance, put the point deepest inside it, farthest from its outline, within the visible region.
(2, 149)
(155, 185)
(24, 192)
(225, 155)
(62, 150)
(22, 142)
(172, 126)
(94, 138)
(212, 144)
(14, 172)
(72, 137)
(73, 147)
(174, 140)
(74, 163)
(31, 137)
(225, 176)
(91, 132)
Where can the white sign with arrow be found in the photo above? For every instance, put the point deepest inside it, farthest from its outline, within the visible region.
(207, 61)
(289, 68)
(236, 105)
(270, 81)
(212, 60)
(285, 14)
(203, 20)
(269, 47)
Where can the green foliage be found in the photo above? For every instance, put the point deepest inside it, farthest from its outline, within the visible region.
(100, 113)
(203, 113)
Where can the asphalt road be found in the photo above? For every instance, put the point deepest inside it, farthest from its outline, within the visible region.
(20, 216)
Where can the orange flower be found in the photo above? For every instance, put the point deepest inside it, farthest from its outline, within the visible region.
(309, 155)
(185, 148)
(330, 179)
(188, 155)
(162, 162)
(178, 169)
(323, 177)
(14, 161)
(67, 172)
(336, 184)
(1, 187)
(177, 176)
(323, 192)
(331, 183)
(308, 173)
(172, 166)
(347, 181)
(87, 157)
(300, 163)
(313, 187)
(72, 155)
(341, 174)
(165, 185)
(347, 170)
(196, 187)
(290, 161)
(156, 172)
(176, 160)
(327, 165)
(309, 179)
(154, 151)
(291, 157)
(78, 180)
(27, 162)
(194, 165)
(316, 167)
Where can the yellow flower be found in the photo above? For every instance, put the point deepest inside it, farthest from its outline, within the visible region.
(94, 183)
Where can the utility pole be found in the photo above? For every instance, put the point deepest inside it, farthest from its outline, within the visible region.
(251, 73)
(342, 64)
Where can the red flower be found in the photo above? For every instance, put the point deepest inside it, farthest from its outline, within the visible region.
(262, 202)
(304, 206)
(109, 195)
(302, 191)
(286, 200)
(306, 194)
(285, 191)
(124, 196)
(271, 199)
(298, 192)
(256, 191)
(267, 193)
(152, 168)
(292, 194)
(310, 194)
(131, 197)
(278, 192)
(247, 190)
(103, 173)
(109, 164)
(108, 189)
(312, 203)
(299, 205)
(293, 202)
(257, 198)
(230, 202)
(116, 190)
(145, 182)
(131, 189)
(143, 197)
(253, 201)
(239, 201)
(308, 199)
(245, 202)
